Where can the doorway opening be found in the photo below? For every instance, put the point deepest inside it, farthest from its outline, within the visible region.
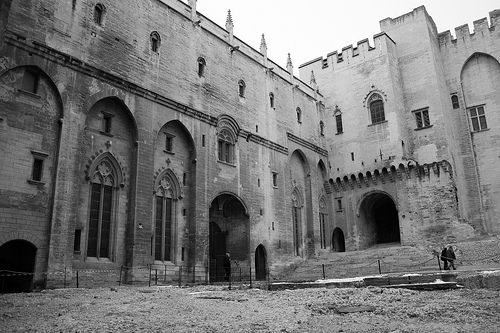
(260, 263)
(17, 256)
(338, 240)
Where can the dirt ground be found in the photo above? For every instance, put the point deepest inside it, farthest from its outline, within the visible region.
(217, 309)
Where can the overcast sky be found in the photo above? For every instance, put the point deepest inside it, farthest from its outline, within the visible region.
(313, 28)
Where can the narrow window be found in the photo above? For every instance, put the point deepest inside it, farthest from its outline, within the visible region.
(155, 41)
(258, 182)
(226, 147)
(478, 118)
(352, 156)
(98, 14)
(163, 226)
(201, 66)
(77, 241)
(184, 177)
(321, 128)
(36, 174)
(422, 118)
(106, 122)
(338, 120)
(203, 140)
(454, 102)
(299, 115)
(339, 204)
(241, 88)
(296, 229)
(275, 179)
(30, 81)
(169, 142)
(377, 112)
(101, 207)
(322, 230)
(271, 100)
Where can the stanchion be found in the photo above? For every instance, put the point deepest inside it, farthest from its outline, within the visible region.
(165, 275)
(180, 276)
(439, 262)
(64, 277)
(250, 277)
(379, 269)
(323, 266)
(156, 277)
(206, 274)
(194, 274)
(268, 279)
(149, 280)
(77, 284)
(229, 278)
(119, 281)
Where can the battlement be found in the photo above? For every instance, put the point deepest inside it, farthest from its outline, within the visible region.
(463, 34)
(419, 13)
(383, 44)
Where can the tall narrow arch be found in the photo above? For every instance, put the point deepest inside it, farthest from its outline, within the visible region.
(260, 263)
(323, 221)
(297, 204)
(338, 240)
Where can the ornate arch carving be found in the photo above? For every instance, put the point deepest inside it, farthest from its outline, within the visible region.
(297, 198)
(227, 122)
(107, 166)
(373, 95)
(167, 181)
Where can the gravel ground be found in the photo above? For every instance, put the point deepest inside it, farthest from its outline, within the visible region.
(216, 309)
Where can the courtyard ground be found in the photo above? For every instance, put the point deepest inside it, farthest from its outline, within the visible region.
(217, 309)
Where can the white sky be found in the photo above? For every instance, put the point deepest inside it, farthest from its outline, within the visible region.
(308, 29)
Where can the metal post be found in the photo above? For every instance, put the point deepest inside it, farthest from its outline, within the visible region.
(206, 274)
(250, 276)
(240, 274)
(323, 266)
(64, 277)
(119, 281)
(77, 279)
(165, 275)
(439, 262)
(229, 279)
(268, 279)
(180, 275)
(194, 274)
(379, 269)
(156, 277)
(149, 280)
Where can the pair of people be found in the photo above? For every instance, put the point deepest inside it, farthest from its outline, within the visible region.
(448, 257)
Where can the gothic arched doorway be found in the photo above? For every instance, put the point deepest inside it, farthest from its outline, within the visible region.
(260, 263)
(17, 256)
(379, 220)
(229, 232)
(338, 240)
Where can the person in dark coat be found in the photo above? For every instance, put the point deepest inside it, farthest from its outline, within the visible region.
(444, 258)
(450, 254)
(227, 266)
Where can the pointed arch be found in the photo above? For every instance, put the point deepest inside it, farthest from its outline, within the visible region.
(107, 165)
(323, 218)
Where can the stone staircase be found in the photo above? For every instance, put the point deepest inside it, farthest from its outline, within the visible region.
(380, 259)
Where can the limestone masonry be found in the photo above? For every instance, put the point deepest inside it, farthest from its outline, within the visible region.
(141, 134)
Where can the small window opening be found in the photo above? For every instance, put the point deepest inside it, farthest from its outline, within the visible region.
(169, 142)
(30, 81)
(478, 118)
(339, 204)
(299, 115)
(77, 241)
(98, 14)
(272, 226)
(271, 100)
(155, 41)
(203, 140)
(275, 179)
(184, 212)
(258, 182)
(422, 118)
(321, 128)
(106, 122)
(184, 177)
(257, 128)
(241, 88)
(183, 250)
(261, 212)
(201, 66)
(352, 156)
(36, 174)
(454, 102)
(338, 120)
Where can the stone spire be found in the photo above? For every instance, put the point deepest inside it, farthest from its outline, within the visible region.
(314, 84)
(289, 67)
(192, 4)
(263, 49)
(229, 26)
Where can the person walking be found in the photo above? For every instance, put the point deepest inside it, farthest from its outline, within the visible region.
(444, 258)
(227, 266)
(450, 254)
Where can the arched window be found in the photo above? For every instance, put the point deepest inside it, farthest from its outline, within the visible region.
(226, 146)
(271, 100)
(155, 41)
(98, 14)
(454, 102)
(241, 88)
(103, 187)
(321, 128)
(201, 66)
(299, 115)
(376, 104)
(163, 235)
(297, 222)
(322, 222)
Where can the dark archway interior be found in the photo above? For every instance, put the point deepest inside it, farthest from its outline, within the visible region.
(381, 211)
(338, 240)
(17, 256)
(229, 232)
(260, 263)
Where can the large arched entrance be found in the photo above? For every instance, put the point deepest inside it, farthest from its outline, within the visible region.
(379, 222)
(260, 263)
(17, 256)
(338, 240)
(229, 232)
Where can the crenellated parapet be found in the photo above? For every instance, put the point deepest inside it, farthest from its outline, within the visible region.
(464, 36)
(394, 173)
(383, 44)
